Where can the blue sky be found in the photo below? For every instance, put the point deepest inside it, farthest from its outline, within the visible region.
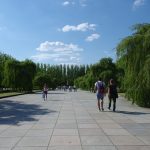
(67, 31)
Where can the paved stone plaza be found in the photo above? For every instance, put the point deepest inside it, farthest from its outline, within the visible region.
(71, 121)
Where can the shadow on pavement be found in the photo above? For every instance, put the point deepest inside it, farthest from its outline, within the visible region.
(56, 93)
(132, 113)
(50, 93)
(14, 112)
(55, 100)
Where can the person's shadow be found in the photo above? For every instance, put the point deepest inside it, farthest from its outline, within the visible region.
(131, 113)
(12, 112)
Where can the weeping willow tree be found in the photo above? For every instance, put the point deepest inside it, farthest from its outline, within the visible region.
(134, 57)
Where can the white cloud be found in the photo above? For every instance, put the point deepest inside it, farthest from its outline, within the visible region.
(138, 3)
(82, 3)
(81, 27)
(58, 47)
(92, 37)
(58, 52)
(66, 3)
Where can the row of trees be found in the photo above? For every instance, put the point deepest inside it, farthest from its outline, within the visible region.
(58, 75)
(25, 75)
(16, 75)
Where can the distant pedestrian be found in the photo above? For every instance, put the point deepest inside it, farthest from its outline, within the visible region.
(112, 94)
(45, 91)
(75, 88)
(100, 92)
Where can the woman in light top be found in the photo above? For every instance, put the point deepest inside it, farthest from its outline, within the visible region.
(45, 91)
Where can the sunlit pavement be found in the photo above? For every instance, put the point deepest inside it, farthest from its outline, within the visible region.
(71, 121)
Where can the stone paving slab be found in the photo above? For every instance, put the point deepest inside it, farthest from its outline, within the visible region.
(65, 140)
(65, 132)
(99, 148)
(133, 147)
(71, 121)
(95, 140)
(33, 141)
(125, 140)
(30, 148)
(62, 147)
(91, 132)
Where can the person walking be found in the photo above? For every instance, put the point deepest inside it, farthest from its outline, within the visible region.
(100, 92)
(45, 91)
(112, 94)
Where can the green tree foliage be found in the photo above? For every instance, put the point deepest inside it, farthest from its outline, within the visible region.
(26, 73)
(10, 74)
(3, 59)
(134, 57)
(41, 79)
(19, 75)
(57, 75)
(105, 69)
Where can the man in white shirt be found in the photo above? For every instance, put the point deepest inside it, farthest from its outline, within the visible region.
(100, 92)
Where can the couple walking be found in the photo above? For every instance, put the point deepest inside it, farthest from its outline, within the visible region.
(100, 87)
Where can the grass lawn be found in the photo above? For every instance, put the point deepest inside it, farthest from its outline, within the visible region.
(7, 94)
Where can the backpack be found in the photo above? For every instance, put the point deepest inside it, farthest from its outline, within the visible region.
(100, 87)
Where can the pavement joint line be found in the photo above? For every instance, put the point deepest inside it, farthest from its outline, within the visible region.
(22, 136)
(78, 130)
(99, 125)
(54, 127)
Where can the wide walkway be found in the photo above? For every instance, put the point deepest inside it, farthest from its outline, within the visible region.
(71, 121)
